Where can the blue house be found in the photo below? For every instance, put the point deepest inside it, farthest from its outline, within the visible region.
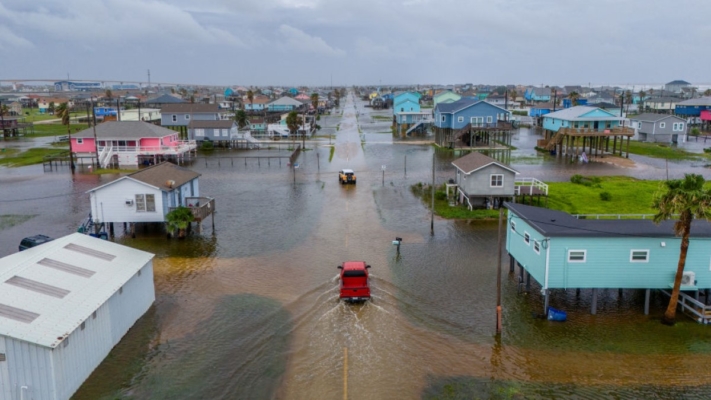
(536, 94)
(406, 102)
(560, 251)
(540, 110)
(581, 117)
(693, 107)
(567, 103)
(460, 113)
(284, 104)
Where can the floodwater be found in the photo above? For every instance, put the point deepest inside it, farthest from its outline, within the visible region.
(252, 311)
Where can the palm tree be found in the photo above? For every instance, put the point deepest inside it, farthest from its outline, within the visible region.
(642, 95)
(63, 112)
(292, 122)
(52, 108)
(628, 99)
(707, 92)
(250, 97)
(179, 219)
(108, 93)
(241, 118)
(573, 97)
(337, 95)
(314, 101)
(513, 95)
(688, 198)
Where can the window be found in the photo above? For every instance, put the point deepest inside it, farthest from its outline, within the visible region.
(199, 132)
(639, 125)
(488, 119)
(175, 118)
(187, 117)
(678, 127)
(497, 180)
(662, 124)
(537, 246)
(639, 256)
(80, 140)
(477, 121)
(460, 119)
(527, 238)
(513, 227)
(577, 256)
(145, 202)
(444, 118)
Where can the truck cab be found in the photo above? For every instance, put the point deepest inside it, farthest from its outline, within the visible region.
(354, 281)
(346, 176)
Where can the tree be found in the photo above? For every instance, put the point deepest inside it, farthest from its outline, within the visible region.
(573, 97)
(642, 95)
(292, 122)
(314, 101)
(63, 112)
(108, 93)
(337, 95)
(178, 220)
(250, 97)
(628, 99)
(241, 118)
(192, 98)
(500, 90)
(707, 92)
(688, 198)
(51, 107)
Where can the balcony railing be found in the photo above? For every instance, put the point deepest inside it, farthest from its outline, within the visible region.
(201, 207)
(178, 148)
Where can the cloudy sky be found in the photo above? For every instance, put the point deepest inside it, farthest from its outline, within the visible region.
(290, 42)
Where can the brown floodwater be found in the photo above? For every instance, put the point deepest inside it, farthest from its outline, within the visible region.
(252, 312)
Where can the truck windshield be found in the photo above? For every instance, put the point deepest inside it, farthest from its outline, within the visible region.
(353, 273)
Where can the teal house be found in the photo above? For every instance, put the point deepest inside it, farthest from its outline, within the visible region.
(406, 109)
(560, 251)
(445, 97)
(581, 117)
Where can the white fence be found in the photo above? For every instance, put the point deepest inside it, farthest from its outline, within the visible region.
(527, 185)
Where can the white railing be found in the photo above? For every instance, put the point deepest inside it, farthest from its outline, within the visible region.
(466, 197)
(526, 186)
(179, 148)
(700, 311)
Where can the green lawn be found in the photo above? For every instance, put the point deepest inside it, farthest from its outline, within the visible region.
(29, 157)
(657, 150)
(381, 117)
(33, 114)
(42, 130)
(627, 196)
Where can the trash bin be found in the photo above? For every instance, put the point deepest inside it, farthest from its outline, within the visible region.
(556, 315)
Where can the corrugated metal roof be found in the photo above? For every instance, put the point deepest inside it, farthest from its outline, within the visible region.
(42, 300)
(574, 114)
(701, 101)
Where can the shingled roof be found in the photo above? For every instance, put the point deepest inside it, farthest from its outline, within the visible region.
(190, 108)
(125, 130)
(218, 124)
(160, 175)
(475, 161)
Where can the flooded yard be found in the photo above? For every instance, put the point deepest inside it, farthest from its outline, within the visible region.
(252, 312)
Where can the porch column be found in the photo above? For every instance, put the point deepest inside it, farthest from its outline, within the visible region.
(593, 307)
(528, 281)
(646, 301)
(545, 302)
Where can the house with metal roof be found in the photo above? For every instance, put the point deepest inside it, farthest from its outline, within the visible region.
(181, 114)
(692, 107)
(659, 128)
(562, 251)
(63, 306)
(573, 130)
(129, 144)
(471, 122)
(284, 104)
(163, 100)
(147, 196)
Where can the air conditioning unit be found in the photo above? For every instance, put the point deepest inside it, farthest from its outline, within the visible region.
(688, 279)
(129, 202)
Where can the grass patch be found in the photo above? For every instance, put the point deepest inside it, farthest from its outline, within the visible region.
(381, 117)
(657, 150)
(106, 171)
(43, 130)
(442, 207)
(626, 195)
(29, 157)
(338, 127)
(9, 220)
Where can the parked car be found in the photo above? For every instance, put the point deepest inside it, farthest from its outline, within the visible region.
(354, 281)
(33, 241)
(346, 176)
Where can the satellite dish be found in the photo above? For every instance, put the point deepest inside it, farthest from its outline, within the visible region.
(170, 183)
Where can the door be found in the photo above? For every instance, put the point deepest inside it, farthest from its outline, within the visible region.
(596, 125)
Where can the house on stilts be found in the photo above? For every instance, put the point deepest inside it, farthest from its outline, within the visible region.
(561, 251)
(470, 123)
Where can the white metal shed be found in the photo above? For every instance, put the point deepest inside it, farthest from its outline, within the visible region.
(63, 306)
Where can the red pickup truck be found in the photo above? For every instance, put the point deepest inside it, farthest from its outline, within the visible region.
(354, 281)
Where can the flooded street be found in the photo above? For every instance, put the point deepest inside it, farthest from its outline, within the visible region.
(252, 312)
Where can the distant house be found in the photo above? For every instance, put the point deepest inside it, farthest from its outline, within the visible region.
(258, 103)
(571, 130)
(128, 143)
(561, 251)
(15, 108)
(540, 109)
(146, 195)
(478, 113)
(406, 108)
(65, 305)
(182, 114)
(693, 107)
(44, 104)
(482, 181)
(445, 97)
(284, 104)
(217, 131)
(163, 100)
(676, 86)
(537, 94)
(257, 125)
(665, 105)
(659, 128)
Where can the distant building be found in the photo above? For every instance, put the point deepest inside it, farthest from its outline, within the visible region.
(182, 114)
(482, 181)
(538, 94)
(659, 128)
(64, 86)
(63, 306)
(676, 86)
(692, 107)
(284, 104)
(222, 130)
(445, 97)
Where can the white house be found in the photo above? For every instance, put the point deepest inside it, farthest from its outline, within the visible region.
(146, 195)
(63, 306)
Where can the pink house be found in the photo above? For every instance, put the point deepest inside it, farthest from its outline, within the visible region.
(706, 115)
(129, 143)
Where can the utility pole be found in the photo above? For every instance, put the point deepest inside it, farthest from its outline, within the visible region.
(433, 195)
(149, 79)
(96, 141)
(498, 275)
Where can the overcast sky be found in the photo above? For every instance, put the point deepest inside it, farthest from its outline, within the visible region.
(290, 42)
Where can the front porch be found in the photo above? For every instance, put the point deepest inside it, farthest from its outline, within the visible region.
(574, 141)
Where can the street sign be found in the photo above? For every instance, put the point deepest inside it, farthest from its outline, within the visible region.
(383, 167)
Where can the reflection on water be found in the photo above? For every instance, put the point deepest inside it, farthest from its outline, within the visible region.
(253, 312)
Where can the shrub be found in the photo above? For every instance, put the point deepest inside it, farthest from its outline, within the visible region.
(707, 150)
(577, 179)
(590, 181)
(605, 196)
(695, 132)
(207, 145)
